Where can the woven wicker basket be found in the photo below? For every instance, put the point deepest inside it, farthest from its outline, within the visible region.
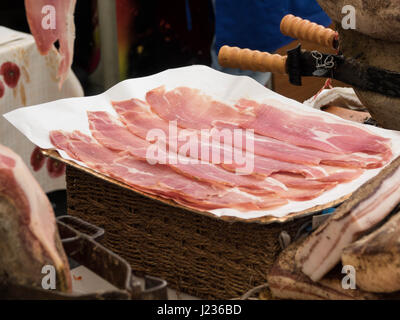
(197, 254)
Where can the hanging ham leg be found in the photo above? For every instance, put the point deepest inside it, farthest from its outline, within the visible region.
(29, 238)
(47, 30)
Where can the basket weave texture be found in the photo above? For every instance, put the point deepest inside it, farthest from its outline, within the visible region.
(203, 256)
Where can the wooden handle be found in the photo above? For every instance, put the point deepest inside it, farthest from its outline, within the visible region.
(245, 59)
(305, 30)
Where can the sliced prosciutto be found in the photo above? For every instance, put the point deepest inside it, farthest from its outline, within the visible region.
(29, 237)
(281, 150)
(266, 166)
(194, 110)
(277, 121)
(367, 207)
(138, 119)
(303, 182)
(107, 131)
(156, 179)
(191, 108)
(39, 14)
(111, 134)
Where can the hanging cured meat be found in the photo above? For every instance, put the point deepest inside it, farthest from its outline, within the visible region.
(49, 21)
(29, 237)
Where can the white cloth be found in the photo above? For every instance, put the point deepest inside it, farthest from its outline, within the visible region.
(37, 84)
(341, 97)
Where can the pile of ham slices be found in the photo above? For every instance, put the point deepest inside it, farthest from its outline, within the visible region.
(296, 157)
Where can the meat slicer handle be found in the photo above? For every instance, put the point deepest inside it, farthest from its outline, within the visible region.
(246, 59)
(306, 30)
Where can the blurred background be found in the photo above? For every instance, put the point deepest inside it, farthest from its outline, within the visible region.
(154, 35)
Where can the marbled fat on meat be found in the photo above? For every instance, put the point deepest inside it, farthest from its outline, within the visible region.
(156, 179)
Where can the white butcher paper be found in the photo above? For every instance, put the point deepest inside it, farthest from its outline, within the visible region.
(70, 114)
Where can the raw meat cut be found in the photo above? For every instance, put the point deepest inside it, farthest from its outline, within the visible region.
(281, 150)
(156, 179)
(277, 121)
(191, 108)
(367, 207)
(376, 258)
(267, 166)
(139, 120)
(338, 174)
(39, 14)
(298, 181)
(194, 110)
(107, 131)
(29, 238)
(136, 116)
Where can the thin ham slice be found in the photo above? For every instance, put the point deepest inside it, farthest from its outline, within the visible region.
(297, 181)
(29, 237)
(64, 30)
(191, 108)
(266, 166)
(276, 120)
(107, 131)
(335, 176)
(156, 179)
(281, 150)
(111, 134)
(138, 119)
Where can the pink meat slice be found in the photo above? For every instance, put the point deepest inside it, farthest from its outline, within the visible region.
(190, 108)
(136, 116)
(298, 181)
(266, 166)
(281, 150)
(36, 225)
(155, 179)
(63, 31)
(138, 119)
(110, 133)
(338, 174)
(274, 120)
(296, 194)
